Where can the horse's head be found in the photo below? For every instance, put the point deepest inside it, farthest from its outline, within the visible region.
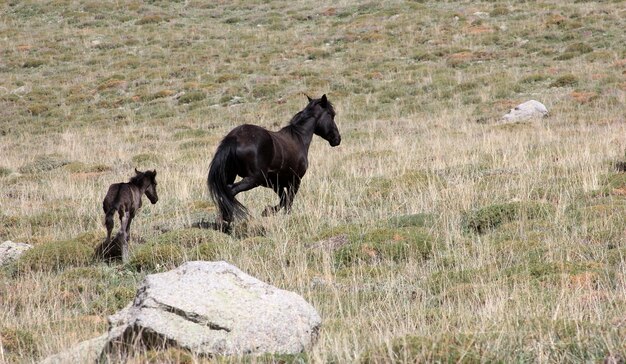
(324, 114)
(148, 179)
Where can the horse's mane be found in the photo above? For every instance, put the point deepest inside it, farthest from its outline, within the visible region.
(137, 179)
(307, 112)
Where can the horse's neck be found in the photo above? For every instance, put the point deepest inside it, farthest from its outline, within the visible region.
(303, 130)
(140, 189)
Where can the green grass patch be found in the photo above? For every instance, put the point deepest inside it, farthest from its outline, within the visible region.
(543, 270)
(565, 81)
(43, 163)
(59, 255)
(611, 182)
(459, 348)
(97, 289)
(5, 171)
(33, 63)
(169, 250)
(413, 220)
(579, 48)
(191, 96)
(18, 342)
(80, 167)
(150, 19)
(384, 244)
(191, 237)
(490, 217)
(191, 133)
(145, 159)
(157, 257)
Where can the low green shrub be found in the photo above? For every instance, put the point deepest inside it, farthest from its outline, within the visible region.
(565, 81)
(192, 96)
(418, 349)
(385, 244)
(5, 171)
(44, 163)
(18, 342)
(58, 255)
(579, 48)
(417, 220)
(489, 217)
(144, 159)
(191, 237)
(157, 257)
(33, 63)
(80, 167)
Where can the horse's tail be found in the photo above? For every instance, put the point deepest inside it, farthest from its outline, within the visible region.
(222, 172)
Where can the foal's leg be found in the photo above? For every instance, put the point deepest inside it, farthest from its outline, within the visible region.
(130, 220)
(109, 223)
(124, 219)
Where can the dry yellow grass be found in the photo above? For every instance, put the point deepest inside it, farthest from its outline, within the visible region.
(415, 86)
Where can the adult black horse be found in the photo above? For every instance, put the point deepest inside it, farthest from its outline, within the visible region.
(277, 160)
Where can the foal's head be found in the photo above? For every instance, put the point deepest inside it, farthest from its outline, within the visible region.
(325, 126)
(147, 182)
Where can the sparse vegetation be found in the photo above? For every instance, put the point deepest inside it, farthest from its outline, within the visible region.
(565, 81)
(456, 238)
(489, 217)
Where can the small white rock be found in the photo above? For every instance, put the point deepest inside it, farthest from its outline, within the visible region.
(526, 110)
(10, 251)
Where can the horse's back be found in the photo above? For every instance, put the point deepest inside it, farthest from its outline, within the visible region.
(118, 193)
(253, 145)
(248, 133)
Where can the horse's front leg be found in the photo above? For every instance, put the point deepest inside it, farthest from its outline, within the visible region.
(290, 194)
(271, 210)
(286, 195)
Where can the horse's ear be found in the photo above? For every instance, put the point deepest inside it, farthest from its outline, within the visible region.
(324, 101)
(136, 171)
(154, 172)
(308, 97)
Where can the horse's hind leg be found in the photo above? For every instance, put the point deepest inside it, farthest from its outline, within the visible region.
(246, 184)
(124, 249)
(124, 219)
(271, 210)
(130, 220)
(109, 223)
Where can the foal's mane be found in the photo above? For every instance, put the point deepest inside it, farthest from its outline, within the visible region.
(138, 178)
(307, 112)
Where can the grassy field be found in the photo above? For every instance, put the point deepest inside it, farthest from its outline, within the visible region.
(466, 239)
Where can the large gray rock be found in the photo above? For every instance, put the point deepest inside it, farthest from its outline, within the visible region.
(88, 351)
(526, 110)
(10, 251)
(208, 308)
(214, 308)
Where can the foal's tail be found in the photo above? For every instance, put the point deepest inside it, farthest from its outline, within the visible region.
(222, 172)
